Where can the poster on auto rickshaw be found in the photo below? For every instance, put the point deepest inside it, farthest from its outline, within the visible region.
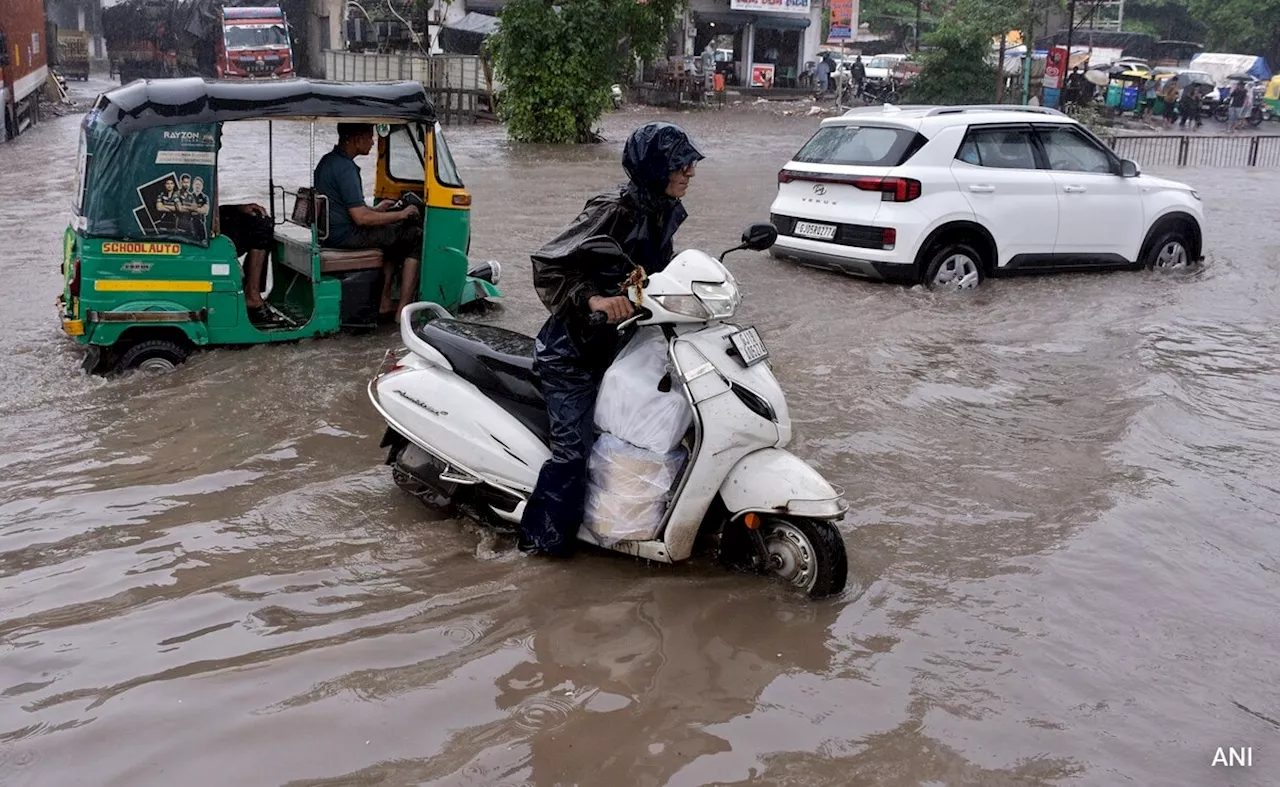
(155, 184)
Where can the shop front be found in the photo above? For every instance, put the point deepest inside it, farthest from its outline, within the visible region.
(758, 43)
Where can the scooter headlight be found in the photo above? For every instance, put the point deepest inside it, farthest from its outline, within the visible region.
(721, 300)
(688, 305)
(708, 301)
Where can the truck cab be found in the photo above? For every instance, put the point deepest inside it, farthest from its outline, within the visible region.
(254, 44)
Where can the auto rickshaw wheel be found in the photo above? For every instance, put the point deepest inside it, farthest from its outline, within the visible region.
(156, 356)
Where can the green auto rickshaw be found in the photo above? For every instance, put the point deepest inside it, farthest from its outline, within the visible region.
(143, 289)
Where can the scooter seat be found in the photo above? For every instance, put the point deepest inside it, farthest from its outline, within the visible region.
(498, 362)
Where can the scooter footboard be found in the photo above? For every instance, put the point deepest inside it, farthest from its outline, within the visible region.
(775, 481)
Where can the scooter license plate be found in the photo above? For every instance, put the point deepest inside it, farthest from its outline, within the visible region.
(750, 346)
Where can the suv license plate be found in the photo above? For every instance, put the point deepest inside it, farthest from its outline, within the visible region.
(819, 231)
(750, 346)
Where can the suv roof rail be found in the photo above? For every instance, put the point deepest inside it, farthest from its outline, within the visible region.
(994, 108)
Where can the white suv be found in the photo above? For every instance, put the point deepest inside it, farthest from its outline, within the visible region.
(948, 196)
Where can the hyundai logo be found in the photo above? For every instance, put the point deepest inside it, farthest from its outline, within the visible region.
(819, 189)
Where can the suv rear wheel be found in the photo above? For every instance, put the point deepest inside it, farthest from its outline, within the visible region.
(954, 266)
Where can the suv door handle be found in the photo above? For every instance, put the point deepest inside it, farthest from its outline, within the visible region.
(1075, 189)
(982, 189)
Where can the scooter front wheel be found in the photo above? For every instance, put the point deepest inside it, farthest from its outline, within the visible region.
(807, 553)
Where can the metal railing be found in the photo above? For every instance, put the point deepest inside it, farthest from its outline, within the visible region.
(457, 72)
(1199, 150)
(456, 83)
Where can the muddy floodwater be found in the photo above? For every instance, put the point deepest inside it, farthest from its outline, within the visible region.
(1064, 533)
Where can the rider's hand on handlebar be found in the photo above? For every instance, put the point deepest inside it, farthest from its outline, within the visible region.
(410, 212)
(618, 307)
(384, 205)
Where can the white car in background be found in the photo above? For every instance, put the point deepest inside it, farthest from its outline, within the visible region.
(881, 67)
(948, 196)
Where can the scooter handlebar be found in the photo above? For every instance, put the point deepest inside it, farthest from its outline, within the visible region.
(600, 318)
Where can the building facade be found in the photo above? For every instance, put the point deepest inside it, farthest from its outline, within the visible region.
(767, 42)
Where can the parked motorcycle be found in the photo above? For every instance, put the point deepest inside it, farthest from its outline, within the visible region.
(467, 427)
(615, 93)
(881, 92)
(1221, 113)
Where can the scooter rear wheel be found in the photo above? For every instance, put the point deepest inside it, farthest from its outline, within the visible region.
(807, 553)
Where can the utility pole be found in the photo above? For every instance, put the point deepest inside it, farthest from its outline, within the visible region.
(917, 31)
(1000, 70)
(1071, 27)
(1028, 42)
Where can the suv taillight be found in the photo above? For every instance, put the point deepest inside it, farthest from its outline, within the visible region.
(891, 189)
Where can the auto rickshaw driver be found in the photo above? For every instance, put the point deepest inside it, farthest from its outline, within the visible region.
(355, 225)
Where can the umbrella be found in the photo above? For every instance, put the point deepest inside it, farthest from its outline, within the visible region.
(1246, 78)
(1097, 77)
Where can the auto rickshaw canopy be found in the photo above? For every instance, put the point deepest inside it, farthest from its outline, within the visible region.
(152, 103)
(148, 156)
(1273, 89)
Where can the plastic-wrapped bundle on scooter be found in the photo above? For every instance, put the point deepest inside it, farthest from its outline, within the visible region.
(628, 490)
(631, 404)
(634, 464)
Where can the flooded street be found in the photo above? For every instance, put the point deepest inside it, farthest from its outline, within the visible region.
(1063, 534)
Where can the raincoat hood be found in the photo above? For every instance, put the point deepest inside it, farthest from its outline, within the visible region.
(654, 151)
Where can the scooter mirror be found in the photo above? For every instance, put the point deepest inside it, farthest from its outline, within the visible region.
(760, 236)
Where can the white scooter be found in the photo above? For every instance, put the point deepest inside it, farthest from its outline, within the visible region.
(467, 428)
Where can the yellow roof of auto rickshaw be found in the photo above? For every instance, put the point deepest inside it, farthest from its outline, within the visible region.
(1273, 87)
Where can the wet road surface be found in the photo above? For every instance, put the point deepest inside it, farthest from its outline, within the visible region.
(1063, 536)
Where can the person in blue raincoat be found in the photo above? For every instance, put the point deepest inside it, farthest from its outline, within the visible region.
(572, 354)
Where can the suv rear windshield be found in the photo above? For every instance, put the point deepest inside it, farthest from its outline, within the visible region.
(861, 146)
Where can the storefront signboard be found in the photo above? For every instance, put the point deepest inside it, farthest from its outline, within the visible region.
(776, 6)
(842, 16)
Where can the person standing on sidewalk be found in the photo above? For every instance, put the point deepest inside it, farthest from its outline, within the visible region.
(1189, 109)
(1170, 96)
(1236, 112)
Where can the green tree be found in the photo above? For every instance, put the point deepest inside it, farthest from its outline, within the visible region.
(957, 68)
(557, 62)
(1246, 27)
(897, 18)
(1169, 20)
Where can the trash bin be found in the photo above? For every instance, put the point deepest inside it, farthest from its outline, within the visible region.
(1114, 92)
(1129, 98)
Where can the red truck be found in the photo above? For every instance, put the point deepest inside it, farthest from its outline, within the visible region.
(24, 65)
(254, 44)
